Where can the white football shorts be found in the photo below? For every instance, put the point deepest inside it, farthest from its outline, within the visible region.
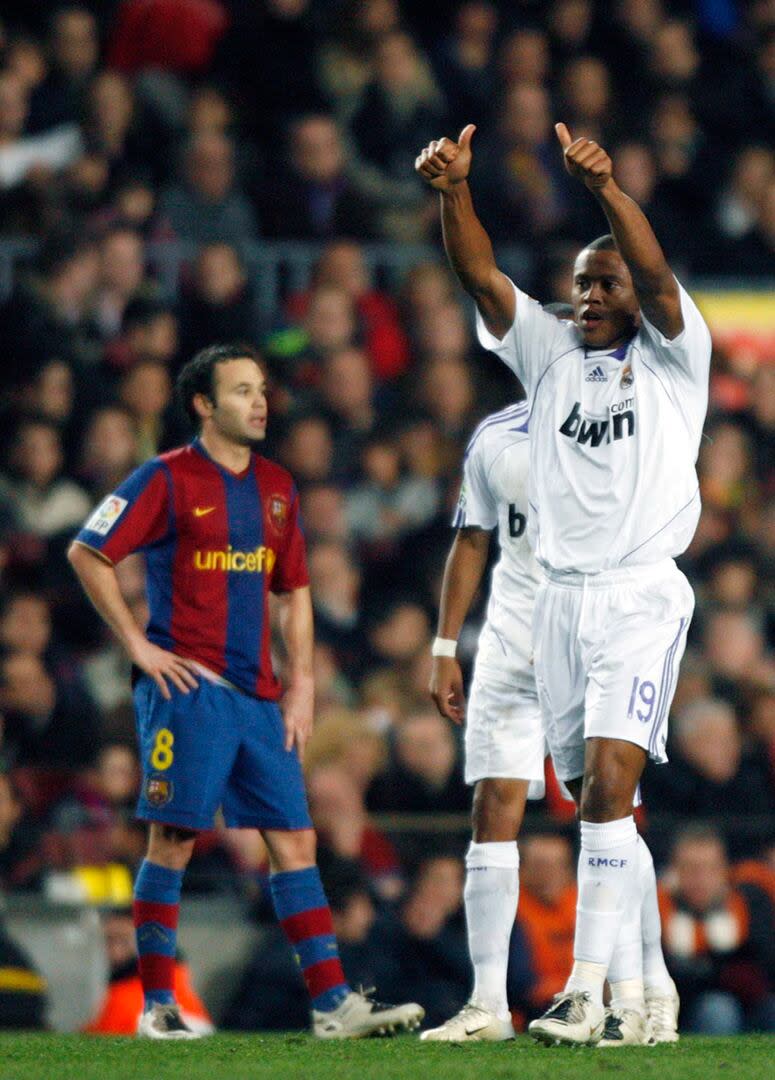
(607, 648)
(504, 733)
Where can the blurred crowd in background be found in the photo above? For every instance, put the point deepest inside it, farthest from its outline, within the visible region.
(221, 126)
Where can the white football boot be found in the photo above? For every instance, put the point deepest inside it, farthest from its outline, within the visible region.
(625, 1027)
(165, 1022)
(573, 1019)
(663, 1015)
(472, 1024)
(359, 1016)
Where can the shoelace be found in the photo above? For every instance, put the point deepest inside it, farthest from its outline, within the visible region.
(613, 1025)
(172, 1020)
(661, 1013)
(568, 1007)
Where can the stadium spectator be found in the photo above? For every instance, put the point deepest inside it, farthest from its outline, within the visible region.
(343, 264)
(424, 773)
(219, 302)
(23, 990)
(710, 772)
(23, 156)
(109, 449)
(717, 939)
(426, 940)
(546, 916)
(46, 502)
(464, 61)
(343, 826)
(149, 334)
(122, 1004)
(21, 858)
(386, 502)
(208, 206)
(311, 194)
(74, 53)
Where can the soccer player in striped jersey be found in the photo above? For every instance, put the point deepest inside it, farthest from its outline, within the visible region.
(219, 526)
(504, 735)
(617, 401)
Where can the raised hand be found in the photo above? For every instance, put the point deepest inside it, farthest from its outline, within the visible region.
(444, 163)
(584, 159)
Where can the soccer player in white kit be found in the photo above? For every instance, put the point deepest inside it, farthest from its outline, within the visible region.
(617, 401)
(504, 734)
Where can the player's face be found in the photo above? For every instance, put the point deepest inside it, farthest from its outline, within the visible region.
(240, 401)
(605, 307)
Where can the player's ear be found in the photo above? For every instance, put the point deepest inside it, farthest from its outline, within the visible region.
(203, 406)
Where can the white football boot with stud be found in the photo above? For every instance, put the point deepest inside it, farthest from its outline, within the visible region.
(360, 1015)
(472, 1024)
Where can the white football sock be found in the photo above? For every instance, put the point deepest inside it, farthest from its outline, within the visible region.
(655, 973)
(491, 895)
(607, 873)
(625, 972)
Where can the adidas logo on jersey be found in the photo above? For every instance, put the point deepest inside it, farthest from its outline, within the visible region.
(595, 432)
(596, 375)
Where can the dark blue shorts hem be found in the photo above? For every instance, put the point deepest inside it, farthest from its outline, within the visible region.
(174, 817)
(277, 824)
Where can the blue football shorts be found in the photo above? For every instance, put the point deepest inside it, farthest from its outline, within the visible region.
(216, 747)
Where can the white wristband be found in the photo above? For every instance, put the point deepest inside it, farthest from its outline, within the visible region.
(443, 647)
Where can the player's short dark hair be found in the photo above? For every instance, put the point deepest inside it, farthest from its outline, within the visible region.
(198, 375)
(605, 242)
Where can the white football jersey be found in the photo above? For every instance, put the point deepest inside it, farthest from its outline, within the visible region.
(494, 495)
(614, 437)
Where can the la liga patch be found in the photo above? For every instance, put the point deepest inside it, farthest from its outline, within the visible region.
(106, 515)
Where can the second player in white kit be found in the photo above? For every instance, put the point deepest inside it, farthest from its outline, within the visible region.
(504, 736)
(617, 401)
(504, 733)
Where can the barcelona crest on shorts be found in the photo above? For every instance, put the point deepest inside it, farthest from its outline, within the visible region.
(158, 790)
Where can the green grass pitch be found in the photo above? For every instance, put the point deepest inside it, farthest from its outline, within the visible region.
(282, 1057)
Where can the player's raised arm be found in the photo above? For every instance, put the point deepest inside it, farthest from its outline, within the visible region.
(445, 165)
(463, 573)
(653, 280)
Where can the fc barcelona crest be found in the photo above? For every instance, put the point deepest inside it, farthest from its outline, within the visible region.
(158, 790)
(277, 506)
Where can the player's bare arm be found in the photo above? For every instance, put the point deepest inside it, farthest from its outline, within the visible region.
(653, 280)
(298, 703)
(100, 583)
(445, 165)
(463, 573)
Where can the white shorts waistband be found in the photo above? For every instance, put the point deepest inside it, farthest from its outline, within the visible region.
(606, 579)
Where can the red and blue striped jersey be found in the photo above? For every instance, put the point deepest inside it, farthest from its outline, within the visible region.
(215, 543)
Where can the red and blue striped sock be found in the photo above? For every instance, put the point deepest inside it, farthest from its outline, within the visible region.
(155, 909)
(305, 916)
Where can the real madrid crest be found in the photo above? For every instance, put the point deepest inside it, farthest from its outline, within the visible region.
(627, 378)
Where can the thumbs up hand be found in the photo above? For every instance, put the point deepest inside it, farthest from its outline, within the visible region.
(584, 159)
(444, 163)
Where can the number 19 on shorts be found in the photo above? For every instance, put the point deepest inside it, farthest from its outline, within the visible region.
(643, 694)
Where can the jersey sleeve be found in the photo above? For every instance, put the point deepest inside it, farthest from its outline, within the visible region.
(290, 570)
(527, 345)
(689, 351)
(136, 515)
(475, 505)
